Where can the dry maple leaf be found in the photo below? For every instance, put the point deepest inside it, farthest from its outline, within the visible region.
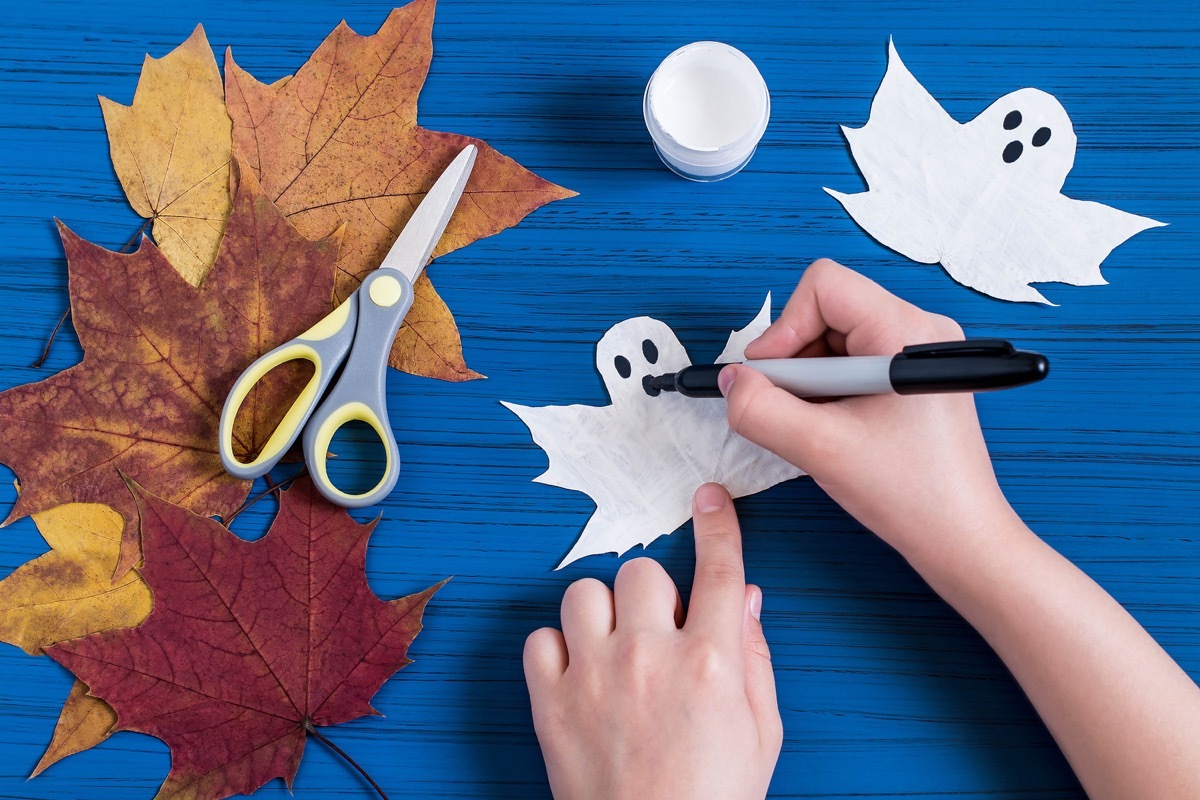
(249, 643)
(69, 591)
(160, 355)
(84, 722)
(339, 143)
(170, 150)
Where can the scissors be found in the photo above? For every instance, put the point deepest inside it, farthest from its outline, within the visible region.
(357, 336)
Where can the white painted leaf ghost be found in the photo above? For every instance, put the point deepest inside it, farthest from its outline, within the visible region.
(642, 457)
(984, 198)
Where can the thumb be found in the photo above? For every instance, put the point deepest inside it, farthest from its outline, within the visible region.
(799, 431)
(760, 676)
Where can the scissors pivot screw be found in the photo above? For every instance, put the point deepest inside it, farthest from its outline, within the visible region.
(385, 291)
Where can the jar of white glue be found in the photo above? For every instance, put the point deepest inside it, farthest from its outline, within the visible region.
(706, 107)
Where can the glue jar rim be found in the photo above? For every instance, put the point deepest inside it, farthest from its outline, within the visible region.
(707, 163)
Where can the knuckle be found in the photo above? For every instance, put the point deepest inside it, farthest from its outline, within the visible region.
(709, 664)
(637, 655)
(640, 569)
(591, 685)
(539, 640)
(946, 327)
(923, 326)
(721, 573)
(822, 266)
(584, 592)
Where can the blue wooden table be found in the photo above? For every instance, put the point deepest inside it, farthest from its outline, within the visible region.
(885, 691)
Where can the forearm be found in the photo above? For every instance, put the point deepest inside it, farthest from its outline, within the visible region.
(1125, 715)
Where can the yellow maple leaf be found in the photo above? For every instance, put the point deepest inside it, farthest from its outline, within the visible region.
(69, 592)
(170, 150)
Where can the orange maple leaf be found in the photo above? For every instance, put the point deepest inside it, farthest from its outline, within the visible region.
(338, 143)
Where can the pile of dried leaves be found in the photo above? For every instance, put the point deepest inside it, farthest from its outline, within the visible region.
(267, 204)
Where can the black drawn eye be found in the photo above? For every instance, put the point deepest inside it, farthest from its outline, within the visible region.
(1041, 136)
(1012, 120)
(650, 351)
(1012, 152)
(623, 367)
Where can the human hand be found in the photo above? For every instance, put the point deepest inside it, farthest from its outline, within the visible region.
(631, 701)
(913, 469)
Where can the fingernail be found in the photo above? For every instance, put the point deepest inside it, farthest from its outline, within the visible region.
(710, 497)
(725, 379)
(756, 598)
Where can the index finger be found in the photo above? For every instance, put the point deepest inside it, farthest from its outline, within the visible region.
(719, 589)
(832, 297)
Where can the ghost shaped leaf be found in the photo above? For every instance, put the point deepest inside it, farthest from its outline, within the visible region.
(159, 357)
(170, 150)
(249, 643)
(984, 198)
(338, 143)
(642, 457)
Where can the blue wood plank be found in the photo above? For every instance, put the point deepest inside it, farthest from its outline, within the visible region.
(885, 692)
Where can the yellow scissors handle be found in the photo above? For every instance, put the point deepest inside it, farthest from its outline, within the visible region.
(358, 335)
(325, 345)
(360, 394)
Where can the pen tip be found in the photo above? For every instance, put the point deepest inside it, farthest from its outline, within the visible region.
(663, 383)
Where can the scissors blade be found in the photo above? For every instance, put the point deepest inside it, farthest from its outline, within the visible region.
(415, 244)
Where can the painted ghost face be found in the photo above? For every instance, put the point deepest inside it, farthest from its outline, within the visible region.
(639, 458)
(983, 199)
(1029, 133)
(634, 351)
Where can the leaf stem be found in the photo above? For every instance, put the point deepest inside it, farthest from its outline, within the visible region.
(54, 334)
(46, 350)
(133, 239)
(312, 729)
(274, 487)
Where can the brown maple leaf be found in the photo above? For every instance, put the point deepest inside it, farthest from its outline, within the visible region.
(160, 355)
(249, 643)
(339, 143)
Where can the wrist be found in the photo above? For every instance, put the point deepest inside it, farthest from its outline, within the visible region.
(951, 536)
(953, 560)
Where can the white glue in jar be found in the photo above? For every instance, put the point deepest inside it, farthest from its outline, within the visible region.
(706, 107)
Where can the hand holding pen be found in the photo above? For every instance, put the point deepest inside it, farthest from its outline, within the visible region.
(910, 469)
(916, 472)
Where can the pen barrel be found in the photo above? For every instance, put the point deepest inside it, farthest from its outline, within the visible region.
(828, 377)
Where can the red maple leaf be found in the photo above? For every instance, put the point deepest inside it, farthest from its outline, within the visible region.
(159, 357)
(249, 643)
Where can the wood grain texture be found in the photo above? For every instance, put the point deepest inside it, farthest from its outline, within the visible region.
(885, 692)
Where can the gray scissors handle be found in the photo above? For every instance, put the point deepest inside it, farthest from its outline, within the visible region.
(360, 393)
(325, 346)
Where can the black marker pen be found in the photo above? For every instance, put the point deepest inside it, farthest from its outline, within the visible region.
(974, 365)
